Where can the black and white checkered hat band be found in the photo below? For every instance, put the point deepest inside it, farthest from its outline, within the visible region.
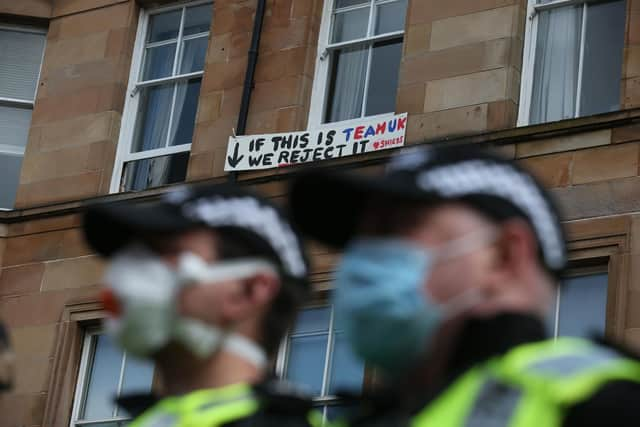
(499, 180)
(263, 220)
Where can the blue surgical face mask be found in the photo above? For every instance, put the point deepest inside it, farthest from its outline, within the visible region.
(379, 298)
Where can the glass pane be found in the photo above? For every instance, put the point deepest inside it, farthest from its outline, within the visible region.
(583, 305)
(146, 173)
(138, 375)
(312, 320)
(347, 371)
(347, 3)
(9, 178)
(20, 59)
(164, 26)
(102, 379)
(305, 364)
(153, 118)
(383, 80)
(193, 54)
(198, 19)
(390, 17)
(347, 84)
(602, 67)
(350, 25)
(158, 62)
(184, 113)
(14, 128)
(555, 77)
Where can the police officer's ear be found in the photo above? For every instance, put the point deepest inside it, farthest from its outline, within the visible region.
(517, 252)
(251, 296)
(514, 282)
(262, 288)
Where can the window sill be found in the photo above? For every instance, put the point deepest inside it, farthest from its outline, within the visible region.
(343, 123)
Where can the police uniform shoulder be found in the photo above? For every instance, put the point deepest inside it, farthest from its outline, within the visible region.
(621, 349)
(280, 395)
(137, 403)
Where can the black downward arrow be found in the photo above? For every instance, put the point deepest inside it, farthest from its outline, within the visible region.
(233, 161)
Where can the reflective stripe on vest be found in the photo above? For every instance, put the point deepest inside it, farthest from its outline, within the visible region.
(528, 387)
(209, 408)
(495, 401)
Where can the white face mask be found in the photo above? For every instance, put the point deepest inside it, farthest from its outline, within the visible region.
(147, 288)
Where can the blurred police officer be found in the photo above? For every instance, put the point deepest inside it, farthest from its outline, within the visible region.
(450, 265)
(7, 360)
(205, 282)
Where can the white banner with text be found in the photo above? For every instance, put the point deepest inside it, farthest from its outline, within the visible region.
(254, 152)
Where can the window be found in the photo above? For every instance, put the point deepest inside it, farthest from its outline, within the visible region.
(360, 50)
(581, 306)
(573, 59)
(164, 88)
(105, 373)
(317, 357)
(21, 51)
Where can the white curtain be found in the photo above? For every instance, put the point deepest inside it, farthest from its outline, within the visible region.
(555, 78)
(192, 60)
(348, 87)
(152, 131)
(158, 171)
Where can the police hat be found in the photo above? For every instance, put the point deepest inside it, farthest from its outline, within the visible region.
(225, 208)
(328, 205)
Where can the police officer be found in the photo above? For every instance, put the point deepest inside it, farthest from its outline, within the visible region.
(205, 282)
(450, 265)
(7, 360)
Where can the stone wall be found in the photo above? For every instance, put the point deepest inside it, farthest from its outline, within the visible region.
(76, 118)
(631, 70)
(460, 72)
(27, 8)
(283, 80)
(45, 266)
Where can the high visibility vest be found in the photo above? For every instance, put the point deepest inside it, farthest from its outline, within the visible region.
(530, 386)
(207, 408)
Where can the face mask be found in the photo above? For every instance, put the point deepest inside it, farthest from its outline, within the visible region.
(141, 295)
(379, 299)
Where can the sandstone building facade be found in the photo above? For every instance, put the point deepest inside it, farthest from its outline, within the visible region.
(121, 99)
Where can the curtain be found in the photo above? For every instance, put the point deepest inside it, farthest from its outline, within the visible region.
(555, 77)
(349, 73)
(157, 106)
(20, 59)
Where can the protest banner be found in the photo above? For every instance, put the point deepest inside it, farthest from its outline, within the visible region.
(255, 152)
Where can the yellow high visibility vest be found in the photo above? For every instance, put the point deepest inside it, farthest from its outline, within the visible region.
(530, 386)
(207, 408)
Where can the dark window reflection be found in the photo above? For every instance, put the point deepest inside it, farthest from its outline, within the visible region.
(602, 66)
(141, 174)
(383, 81)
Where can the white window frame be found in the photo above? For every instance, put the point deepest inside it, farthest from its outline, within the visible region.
(22, 103)
(320, 87)
(324, 400)
(529, 54)
(132, 100)
(82, 382)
